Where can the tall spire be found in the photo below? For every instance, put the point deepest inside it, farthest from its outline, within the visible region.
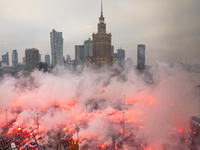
(101, 8)
(101, 18)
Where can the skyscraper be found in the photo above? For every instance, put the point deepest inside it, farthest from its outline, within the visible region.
(101, 44)
(56, 48)
(47, 60)
(112, 51)
(5, 58)
(32, 59)
(14, 58)
(121, 58)
(79, 55)
(141, 57)
(39, 57)
(87, 49)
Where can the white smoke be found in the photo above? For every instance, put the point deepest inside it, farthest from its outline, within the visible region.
(158, 104)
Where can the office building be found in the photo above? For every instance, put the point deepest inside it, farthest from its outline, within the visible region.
(5, 58)
(121, 58)
(47, 60)
(32, 59)
(79, 55)
(39, 57)
(56, 48)
(43, 66)
(87, 49)
(14, 58)
(112, 51)
(141, 57)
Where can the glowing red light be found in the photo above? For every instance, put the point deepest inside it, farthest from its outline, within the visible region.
(141, 127)
(147, 148)
(19, 128)
(149, 102)
(180, 131)
(9, 132)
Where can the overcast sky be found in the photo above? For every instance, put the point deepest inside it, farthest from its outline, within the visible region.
(170, 29)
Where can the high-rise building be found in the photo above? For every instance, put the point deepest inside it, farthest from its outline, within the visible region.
(14, 58)
(87, 49)
(112, 51)
(68, 58)
(39, 57)
(121, 58)
(32, 59)
(47, 60)
(141, 57)
(79, 55)
(101, 45)
(43, 66)
(56, 48)
(5, 58)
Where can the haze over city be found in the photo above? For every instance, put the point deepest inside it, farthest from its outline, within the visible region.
(169, 29)
(99, 100)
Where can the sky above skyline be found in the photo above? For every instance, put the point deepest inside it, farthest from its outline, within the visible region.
(169, 29)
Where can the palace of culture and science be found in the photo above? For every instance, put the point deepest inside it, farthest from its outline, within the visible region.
(101, 46)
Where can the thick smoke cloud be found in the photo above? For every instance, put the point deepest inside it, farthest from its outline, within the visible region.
(157, 109)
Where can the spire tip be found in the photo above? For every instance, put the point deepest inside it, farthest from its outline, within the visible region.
(101, 7)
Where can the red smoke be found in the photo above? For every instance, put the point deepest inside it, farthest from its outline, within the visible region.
(156, 115)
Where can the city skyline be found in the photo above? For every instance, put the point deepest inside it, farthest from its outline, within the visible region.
(170, 30)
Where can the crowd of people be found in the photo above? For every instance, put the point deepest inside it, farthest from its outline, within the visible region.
(22, 138)
(17, 136)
